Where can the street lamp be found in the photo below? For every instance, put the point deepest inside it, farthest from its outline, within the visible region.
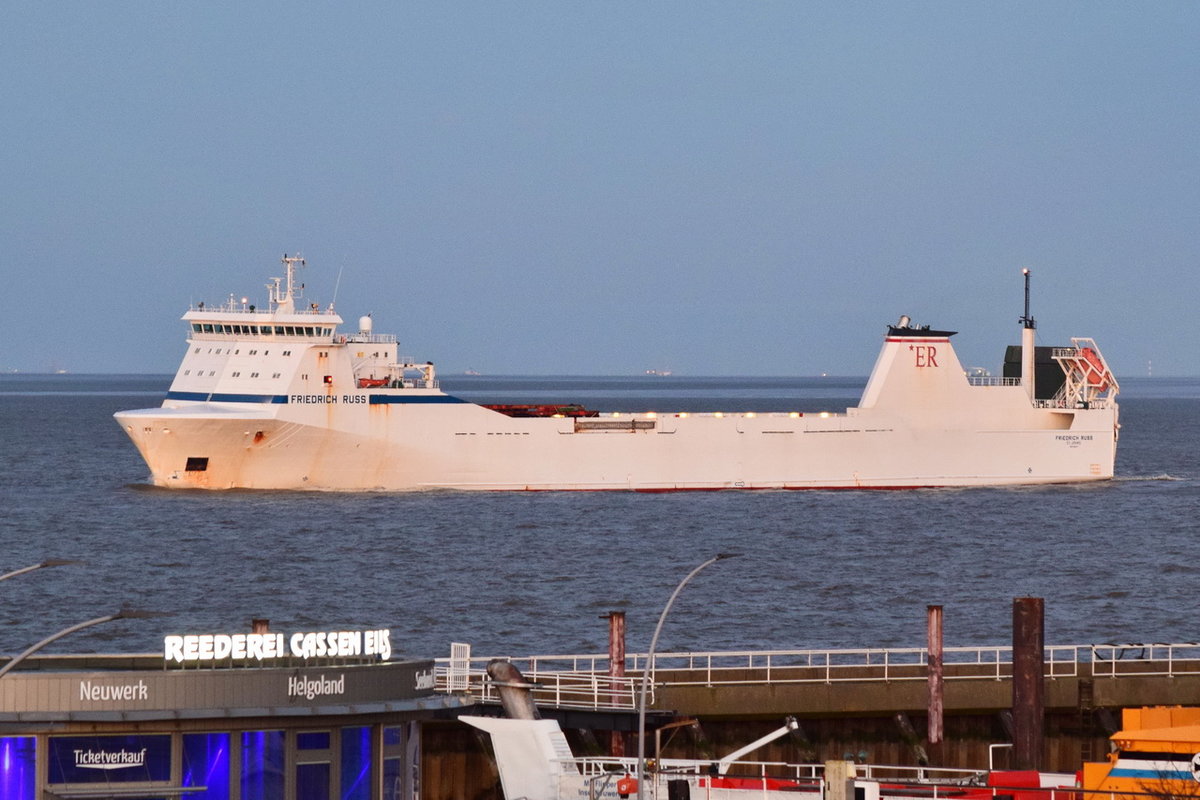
(124, 613)
(641, 766)
(50, 562)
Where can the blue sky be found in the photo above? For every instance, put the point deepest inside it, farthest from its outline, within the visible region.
(602, 188)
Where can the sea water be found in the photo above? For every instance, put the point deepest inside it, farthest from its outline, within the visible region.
(532, 573)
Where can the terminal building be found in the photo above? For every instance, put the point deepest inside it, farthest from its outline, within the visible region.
(263, 716)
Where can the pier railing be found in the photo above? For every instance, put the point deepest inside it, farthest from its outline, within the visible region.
(582, 681)
(557, 688)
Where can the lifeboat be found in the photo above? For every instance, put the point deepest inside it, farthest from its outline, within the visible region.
(1094, 372)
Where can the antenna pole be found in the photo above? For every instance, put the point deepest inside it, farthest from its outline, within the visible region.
(1026, 320)
(337, 284)
(1028, 352)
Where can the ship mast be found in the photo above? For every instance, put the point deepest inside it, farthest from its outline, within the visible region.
(283, 297)
(1028, 359)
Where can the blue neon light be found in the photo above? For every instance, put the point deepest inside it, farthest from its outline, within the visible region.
(206, 763)
(262, 765)
(356, 764)
(18, 767)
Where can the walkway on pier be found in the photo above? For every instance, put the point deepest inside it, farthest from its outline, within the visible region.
(842, 682)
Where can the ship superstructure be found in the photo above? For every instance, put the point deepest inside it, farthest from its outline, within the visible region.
(535, 762)
(279, 398)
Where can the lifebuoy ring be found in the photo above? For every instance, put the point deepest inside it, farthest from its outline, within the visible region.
(1094, 373)
(626, 786)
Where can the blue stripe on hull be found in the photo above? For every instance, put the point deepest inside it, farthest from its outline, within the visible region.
(381, 399)
(205, 397)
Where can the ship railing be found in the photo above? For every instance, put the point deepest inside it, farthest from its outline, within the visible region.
(666, 768)
(992, 380)
(1061, 401)
(234, 307)
(600, 766)
(367, 338)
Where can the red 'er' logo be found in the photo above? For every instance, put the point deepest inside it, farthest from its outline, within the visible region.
(926, 355)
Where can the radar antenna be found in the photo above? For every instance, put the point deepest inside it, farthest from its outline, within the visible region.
(291, 262)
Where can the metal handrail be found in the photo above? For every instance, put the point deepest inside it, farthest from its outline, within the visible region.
(581, 680)
(585, 690)
(992, 380)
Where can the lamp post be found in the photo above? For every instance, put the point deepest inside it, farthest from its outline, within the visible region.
(124, 613)
(641, 765)
(50, 562)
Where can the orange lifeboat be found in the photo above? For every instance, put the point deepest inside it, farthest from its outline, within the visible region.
(1094, 373)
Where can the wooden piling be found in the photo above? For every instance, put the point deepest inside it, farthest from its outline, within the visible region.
(936, 677)
(1029, 686)
(616, 669)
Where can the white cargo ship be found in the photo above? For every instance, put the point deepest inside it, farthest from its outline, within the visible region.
(279, 398)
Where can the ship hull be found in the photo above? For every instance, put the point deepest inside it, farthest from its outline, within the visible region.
(451, 445)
